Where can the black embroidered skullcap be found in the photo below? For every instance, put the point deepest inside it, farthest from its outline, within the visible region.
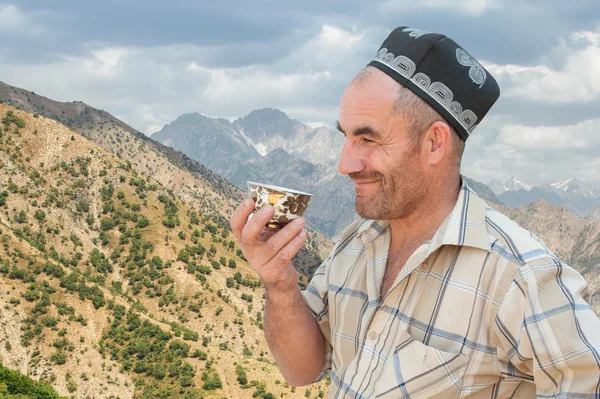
(441, 73)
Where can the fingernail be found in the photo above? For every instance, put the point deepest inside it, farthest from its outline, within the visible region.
(299, 221)
(302, 235)
(247, 202)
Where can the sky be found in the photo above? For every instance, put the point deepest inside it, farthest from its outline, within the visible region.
(148, 62)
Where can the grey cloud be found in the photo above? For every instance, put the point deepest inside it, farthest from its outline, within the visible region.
(518, 32)
(154, 85)
(548, 114)
(251, 32)
(243, 32)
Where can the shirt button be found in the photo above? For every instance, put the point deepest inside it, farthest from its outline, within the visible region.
(372, 335)
(348, 396)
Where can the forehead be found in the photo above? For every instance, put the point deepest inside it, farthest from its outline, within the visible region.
(369, 100)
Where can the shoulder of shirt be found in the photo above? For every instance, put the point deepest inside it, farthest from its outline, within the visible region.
(515, 243)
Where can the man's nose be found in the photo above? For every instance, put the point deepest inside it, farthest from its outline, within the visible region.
(350, 160)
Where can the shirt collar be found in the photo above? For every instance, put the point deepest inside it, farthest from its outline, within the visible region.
(464, 226)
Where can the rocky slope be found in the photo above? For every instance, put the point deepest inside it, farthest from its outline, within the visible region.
(268, 129)
(187, 178)
(113, 285)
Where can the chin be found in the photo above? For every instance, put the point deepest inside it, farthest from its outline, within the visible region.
(363, 211)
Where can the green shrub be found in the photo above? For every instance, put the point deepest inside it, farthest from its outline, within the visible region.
(242, 378)
(40, 215)
(14, 383)
(58, 358)
(211, 380)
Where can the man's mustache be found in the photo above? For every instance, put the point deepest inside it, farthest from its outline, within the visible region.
(360, 176)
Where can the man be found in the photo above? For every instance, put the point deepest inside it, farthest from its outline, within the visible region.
(431, 293)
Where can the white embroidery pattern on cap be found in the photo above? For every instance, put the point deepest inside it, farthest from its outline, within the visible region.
(416, 33)
(436, 90)
(476, 72)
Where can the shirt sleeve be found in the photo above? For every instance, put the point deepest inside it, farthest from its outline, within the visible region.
(548, 334)
(316, 298)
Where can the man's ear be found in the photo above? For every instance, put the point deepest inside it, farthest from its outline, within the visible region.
(437, 142)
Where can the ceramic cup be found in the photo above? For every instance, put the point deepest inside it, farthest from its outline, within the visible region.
(288, 203)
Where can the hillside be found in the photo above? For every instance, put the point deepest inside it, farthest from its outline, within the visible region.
(188, 179)
(113, 285)
(175, 171)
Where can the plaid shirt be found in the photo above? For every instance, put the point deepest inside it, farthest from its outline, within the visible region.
(482, 310)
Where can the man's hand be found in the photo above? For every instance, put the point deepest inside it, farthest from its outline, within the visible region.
(268, 253)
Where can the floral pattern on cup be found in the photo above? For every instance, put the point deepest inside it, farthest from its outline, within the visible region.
(288, 204)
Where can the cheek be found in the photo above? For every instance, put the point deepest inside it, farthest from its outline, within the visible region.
(377, 160)
(386, 163)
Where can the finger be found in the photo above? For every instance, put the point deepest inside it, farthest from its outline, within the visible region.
(285, 255)
(240, 217)
(278, 241)
(268, 233)
(252, 229)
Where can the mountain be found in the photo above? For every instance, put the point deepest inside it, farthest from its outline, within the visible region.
(513, 184)
(573, 194)
(267, 146)
(117, 285)
(215, 141)
(176, 171)
(184, 176)
(522, 197)
(594, 214)
(268, 129)
(483, 191)
(496, 186)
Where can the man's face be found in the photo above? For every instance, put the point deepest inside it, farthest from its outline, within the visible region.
(388, 172)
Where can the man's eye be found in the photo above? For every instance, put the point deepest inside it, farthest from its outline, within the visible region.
(366, 140)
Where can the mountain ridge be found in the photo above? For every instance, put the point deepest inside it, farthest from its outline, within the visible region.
(574, 194)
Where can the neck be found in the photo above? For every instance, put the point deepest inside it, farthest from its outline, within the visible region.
(420, 225)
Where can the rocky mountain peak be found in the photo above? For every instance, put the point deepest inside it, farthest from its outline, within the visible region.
(264, 124)
(514, 184)
(576, 186)
(268, 113)
(564, 185)
(497, 186)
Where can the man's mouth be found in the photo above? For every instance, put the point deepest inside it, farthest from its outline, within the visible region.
(364, 182)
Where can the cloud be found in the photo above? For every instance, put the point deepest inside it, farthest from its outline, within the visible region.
(333, 36)
(583, 135)
(573, 78)
(536, 154)
(470, 7)
(15, 23)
